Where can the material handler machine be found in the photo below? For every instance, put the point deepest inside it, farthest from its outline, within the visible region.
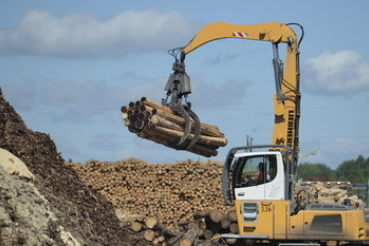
(259, 181)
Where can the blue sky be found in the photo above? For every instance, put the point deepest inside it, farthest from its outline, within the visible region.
(68, 68)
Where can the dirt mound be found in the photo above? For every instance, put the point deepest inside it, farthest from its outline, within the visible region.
(82, 212)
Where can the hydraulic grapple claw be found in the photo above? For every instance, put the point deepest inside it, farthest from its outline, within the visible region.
(179, 85)
(181, 110)
(190, 117)
(197, 128)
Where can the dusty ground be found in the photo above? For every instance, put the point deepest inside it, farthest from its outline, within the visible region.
(55, 208)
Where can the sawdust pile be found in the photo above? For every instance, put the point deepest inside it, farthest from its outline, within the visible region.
(54, 208)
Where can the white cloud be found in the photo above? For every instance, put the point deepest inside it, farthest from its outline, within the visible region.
(202, 94)
(335, 151)
(342, 147)
(79, 100)
(88, 35)
(222, 94)
(22, 96)
(108, 143)
(153, 89)
(341, 72)
(221, 58)
(74, 100)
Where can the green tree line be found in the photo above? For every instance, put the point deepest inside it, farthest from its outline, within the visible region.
(355, 171)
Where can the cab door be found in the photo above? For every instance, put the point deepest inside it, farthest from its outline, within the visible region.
(259, 176)
(256, 219)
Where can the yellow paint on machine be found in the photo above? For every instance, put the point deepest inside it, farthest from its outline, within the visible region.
(272, 220)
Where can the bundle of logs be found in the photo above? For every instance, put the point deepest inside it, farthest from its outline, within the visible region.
(156, 122)
(330, 193)
(205, 228)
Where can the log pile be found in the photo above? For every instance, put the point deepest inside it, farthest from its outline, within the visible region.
(169, 192)
(331, 193)
(165, 203)
(205, 228)
(156, 122)
(172, 193)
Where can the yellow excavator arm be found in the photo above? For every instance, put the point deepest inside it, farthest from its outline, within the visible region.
(287, 96)
(260, 184)
(274, 32)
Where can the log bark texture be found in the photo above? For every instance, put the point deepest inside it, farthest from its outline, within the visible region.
(156, 122)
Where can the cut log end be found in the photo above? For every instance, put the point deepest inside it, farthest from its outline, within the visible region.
(158, 123)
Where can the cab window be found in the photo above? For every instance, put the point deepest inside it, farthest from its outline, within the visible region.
(254, 170)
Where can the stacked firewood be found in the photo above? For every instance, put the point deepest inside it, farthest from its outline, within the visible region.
(205, 228)
(169, 192)
(330, 193)
(156, 122)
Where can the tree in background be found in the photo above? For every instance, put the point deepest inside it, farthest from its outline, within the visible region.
(355, 171)
(315, 172)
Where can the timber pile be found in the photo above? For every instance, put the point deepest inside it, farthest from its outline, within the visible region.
(156, 122)
(170, 204)
(169, 192)
(204, 228)
(167, 204)
(172, 193)
(320, 192)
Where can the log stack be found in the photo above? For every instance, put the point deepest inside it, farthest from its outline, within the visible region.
(205, 228)
(167, 204)
(172, 193)
(169, 192)
(163, 201)
(330, 193)
(156, 122)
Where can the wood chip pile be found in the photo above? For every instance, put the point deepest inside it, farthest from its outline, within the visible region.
(156, 122)
(78, 208)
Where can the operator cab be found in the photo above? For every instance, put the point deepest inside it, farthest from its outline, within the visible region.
(253, 170)
(255, 175)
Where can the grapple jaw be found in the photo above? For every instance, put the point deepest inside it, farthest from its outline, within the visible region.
(178, 87)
